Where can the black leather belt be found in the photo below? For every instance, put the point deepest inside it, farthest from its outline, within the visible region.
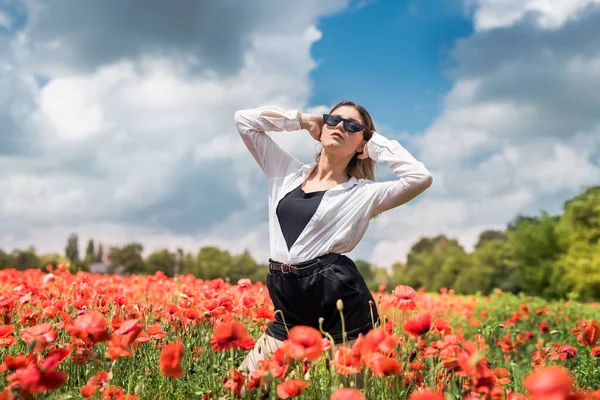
(303, 268)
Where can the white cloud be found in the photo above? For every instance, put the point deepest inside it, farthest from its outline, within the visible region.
(5, 21)
(548, 14)
(517, 134)
(145, 147)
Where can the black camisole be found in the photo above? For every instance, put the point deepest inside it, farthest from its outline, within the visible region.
(295, 210)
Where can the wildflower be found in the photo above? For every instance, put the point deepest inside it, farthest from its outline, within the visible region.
(89, 327)
(549, 382)
(404, 298)
(418, 325)
(231, 335)
(303, 342)
(426, 394)
(291, 388)
(347, 394)
(170, 358)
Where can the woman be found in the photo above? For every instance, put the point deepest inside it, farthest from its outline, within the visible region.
(319, 211)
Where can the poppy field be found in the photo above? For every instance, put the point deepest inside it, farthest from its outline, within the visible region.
(73, 336)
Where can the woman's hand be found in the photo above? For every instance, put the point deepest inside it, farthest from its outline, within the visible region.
(313, 124)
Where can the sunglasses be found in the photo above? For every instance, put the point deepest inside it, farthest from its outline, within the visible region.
(349, 125)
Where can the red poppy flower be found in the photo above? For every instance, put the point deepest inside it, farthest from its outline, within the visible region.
(117, 347)
(382, 365)
(418, 325)
(6, 338)
(235, 382)
(549, 382)
(303, 342)
(89, 327)
(14, 363)
(40, 336)
(590, 333)
(426, 394)
(566, 352)
(347, 394)
(6, 330)
(404, 298)
(231, 335)
(113, 393)
(170, 358)
(441, 325)
(291, 388)
(40, 377)
(346, 361)
(130, 330)
(95, 383)
(377, 340)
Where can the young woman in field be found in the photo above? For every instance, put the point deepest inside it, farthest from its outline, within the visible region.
(318, 212)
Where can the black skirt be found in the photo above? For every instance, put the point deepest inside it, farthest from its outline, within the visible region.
(305, 299)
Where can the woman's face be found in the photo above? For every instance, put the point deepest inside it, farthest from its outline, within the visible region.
(336, 139)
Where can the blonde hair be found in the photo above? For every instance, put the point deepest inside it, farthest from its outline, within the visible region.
(360, 169)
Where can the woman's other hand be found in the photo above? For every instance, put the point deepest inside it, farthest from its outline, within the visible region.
(313, 124)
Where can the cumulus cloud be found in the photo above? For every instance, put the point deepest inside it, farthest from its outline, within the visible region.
(131, 134)
(519, 131)
(547, 14)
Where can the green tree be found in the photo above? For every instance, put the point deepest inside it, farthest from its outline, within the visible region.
(490, 235)
(72, 249)
(212, 262)
(25, 259)
(532, 249)
(100, 253)
(189, 264)
(366, 271)
(180, 261)
(581, 219)
(242, 266)
(434, 263)
(580, 271)
(129, 257)
(90, 255)
(161, 260)
(6, 260)
(52, 259)
(578, 231)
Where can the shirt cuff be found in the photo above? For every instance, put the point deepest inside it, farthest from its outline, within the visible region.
(377, 144)
(292, 122)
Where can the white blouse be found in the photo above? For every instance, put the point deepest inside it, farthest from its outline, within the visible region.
(343, 215)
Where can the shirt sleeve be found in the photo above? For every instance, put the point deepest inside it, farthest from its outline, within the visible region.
(413, 177)
(252, 125)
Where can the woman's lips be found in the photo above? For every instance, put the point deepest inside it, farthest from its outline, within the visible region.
(336, 135)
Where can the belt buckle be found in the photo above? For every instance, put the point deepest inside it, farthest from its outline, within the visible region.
(285, 268)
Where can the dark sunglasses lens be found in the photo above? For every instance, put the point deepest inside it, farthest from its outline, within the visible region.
(332, 120)
(353, 126)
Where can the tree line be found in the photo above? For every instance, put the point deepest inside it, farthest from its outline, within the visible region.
(549, 256)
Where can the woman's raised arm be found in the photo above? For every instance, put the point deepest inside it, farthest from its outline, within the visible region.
(413, 177)
(252, 124)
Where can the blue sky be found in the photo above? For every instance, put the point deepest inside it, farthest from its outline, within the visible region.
(390, 56)
(118, 125)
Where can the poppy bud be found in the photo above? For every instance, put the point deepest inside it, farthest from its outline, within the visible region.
(412, 355)
(340, 305)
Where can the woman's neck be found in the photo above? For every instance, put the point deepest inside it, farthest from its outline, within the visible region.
(331, 168)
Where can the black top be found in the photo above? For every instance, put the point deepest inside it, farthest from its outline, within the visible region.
(295, 210)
